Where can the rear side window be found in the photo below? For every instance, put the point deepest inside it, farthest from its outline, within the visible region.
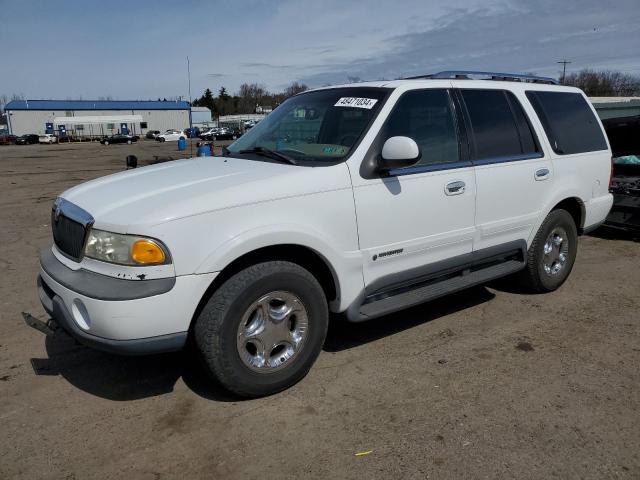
(426, 116)
(499, 125)
(568, 122)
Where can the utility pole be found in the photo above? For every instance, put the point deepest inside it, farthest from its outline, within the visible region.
(190, 117)
(564, 69)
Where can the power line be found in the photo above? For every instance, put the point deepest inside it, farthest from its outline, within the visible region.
(564, 68)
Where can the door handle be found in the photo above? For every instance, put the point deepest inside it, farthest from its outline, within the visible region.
(542, 174)
(454, 188)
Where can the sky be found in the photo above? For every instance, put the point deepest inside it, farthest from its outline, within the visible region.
(138, 50)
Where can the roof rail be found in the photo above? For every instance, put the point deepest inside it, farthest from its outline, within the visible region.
(467, 74)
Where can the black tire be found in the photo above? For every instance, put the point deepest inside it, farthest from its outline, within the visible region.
(217, 326)
(534, 277)
(106, 142)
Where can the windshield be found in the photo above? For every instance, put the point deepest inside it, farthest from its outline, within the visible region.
(318, 126)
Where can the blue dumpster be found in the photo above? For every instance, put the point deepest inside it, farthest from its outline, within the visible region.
(182, 143)
(204, 151)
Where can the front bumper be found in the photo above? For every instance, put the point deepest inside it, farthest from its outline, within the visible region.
(130, 317)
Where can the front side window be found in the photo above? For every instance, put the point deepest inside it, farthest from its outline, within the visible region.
(319, 126)
(426, 116)
(493, 124)
(568, 121)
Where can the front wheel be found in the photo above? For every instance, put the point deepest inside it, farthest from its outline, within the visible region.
(552, 253)
(261, 331)
(106, 142)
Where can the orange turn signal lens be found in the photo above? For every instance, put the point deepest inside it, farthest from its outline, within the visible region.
(146, 252)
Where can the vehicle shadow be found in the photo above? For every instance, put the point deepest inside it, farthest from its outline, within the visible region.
(609, 233)
(122, 378)
(343, 335)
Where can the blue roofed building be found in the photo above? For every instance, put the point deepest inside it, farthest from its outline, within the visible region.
(95, 118)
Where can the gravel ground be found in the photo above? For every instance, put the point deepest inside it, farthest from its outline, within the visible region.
(487, 383)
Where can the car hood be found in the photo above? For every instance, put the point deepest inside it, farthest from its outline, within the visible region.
(127, 201)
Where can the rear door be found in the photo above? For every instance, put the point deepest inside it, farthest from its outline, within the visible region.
(513, 177)
(419, 215)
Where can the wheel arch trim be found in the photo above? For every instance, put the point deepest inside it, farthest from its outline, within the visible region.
(345, 267)
(557, 202)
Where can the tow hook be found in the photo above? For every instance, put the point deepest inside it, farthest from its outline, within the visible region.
(48, 328)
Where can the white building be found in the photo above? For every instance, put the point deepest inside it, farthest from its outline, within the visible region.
(90, 118)
(200, 115)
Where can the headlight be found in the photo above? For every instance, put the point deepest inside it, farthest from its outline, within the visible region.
(125, 249)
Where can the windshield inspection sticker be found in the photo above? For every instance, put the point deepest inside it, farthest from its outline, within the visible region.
(355, 102)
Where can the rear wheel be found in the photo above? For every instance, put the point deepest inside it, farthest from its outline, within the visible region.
(106, 142)
(263, 328)
(128, 142)
(552, 253)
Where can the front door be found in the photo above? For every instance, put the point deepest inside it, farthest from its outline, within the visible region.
(421, 214)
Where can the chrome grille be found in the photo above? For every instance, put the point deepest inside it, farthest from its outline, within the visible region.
(69, 225)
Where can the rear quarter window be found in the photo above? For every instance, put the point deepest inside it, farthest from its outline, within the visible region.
(568, 121)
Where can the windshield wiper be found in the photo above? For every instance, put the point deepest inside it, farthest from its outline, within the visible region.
(271, 154)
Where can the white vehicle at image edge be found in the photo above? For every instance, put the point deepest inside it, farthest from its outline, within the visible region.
(361, 199)
(170, 136)
(47, 138)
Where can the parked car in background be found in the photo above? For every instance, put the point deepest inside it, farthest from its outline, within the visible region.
(152, 134)
(119, 138)
(221, 133)
(229, 134)
(208, 134)
(8, 139)
(193, 132)
(623, 136)
(28, 139)
(48, 138)
(171, 136)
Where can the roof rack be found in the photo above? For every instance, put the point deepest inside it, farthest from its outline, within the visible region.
(467, 74)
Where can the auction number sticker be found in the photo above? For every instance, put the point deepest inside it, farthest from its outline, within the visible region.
(356, 102)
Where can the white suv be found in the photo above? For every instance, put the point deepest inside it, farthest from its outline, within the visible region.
(362, 199)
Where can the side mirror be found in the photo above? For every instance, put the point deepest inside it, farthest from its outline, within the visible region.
(399, 152)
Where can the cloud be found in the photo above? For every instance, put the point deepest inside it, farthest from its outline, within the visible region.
(316, 42)
(266, 65)
(521, 37)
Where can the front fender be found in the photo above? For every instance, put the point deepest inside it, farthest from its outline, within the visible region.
(346, 267)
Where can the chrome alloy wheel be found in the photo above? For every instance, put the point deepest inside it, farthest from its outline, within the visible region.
(556, 251)
(272, 332)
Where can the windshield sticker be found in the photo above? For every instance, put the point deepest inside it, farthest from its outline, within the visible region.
(356, 102)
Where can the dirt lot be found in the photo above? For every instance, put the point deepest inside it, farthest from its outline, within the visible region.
(488, 383)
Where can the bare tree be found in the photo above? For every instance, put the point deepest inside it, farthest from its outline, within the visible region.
(294, 89)
(250, 96)
(3, 102)
(604, 83)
